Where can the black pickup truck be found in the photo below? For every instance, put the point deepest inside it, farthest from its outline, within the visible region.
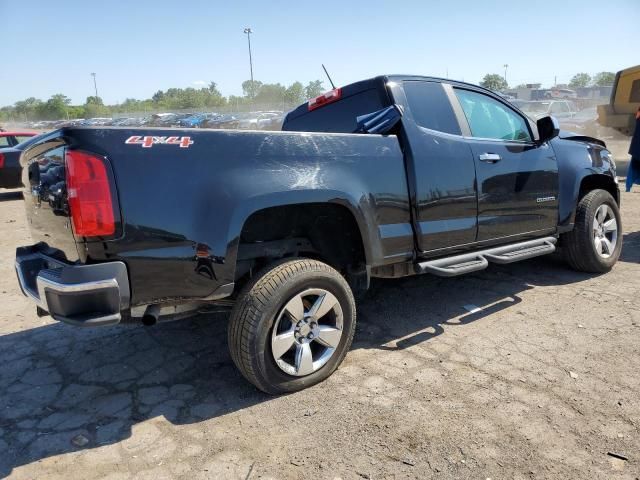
(388, 177)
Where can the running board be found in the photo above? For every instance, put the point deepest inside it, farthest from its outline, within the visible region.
(473, 262)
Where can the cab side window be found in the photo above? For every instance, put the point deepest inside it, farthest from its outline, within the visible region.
(489, 118)
(430, 106)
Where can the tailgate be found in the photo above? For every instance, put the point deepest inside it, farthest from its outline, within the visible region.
(70, 196)
(45, 196)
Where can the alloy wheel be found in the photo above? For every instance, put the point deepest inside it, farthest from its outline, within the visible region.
(307, 332)
(605, 231)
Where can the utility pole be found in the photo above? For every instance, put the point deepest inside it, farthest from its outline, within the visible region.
(248, 31)
(95, 85)
(506, 65)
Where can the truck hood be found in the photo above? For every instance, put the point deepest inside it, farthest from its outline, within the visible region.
(565, 135)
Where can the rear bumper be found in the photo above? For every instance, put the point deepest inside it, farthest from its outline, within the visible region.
(82, 295)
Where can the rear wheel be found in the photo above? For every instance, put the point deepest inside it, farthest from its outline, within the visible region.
(292, 326)
(595, 242)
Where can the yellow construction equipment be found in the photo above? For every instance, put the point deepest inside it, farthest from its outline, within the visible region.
(620, 112)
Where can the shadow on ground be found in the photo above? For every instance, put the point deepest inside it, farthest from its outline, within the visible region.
(60, 382)
(630, 247)
(10, 195)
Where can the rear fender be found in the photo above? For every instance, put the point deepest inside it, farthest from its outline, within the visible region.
(362, 211)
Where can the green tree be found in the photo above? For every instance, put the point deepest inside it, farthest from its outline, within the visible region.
(294, 94)
(59, 106)
(213, 88)
(250, 88)
(94, 107)
(494, 81)
(27, 108)
(94, 101)
(55, 108)
(580, 80)
(271, 93)
(236, 101)
(158, 96)
(6, 113)
(313, 89)
(214, 97)
(604, 79)
(76, 111)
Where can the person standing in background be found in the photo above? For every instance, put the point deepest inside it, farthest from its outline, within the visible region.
(633, 174)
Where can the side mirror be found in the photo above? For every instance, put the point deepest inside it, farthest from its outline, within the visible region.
(548, 128)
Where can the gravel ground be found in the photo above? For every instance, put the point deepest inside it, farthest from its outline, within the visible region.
(541, 382)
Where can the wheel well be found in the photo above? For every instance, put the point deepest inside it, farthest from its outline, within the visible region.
(602, 182)
(326, 232)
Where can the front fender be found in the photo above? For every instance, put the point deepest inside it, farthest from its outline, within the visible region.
(580, 165)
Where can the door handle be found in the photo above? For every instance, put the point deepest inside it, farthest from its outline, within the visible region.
(490, 157)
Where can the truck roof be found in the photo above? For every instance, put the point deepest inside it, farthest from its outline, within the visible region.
(355, 99)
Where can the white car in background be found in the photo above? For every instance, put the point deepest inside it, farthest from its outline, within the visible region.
(561, 109)
(561, 93)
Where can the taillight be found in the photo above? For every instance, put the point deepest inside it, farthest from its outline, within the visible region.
(325, 99)
(89, 193)
(1, 160)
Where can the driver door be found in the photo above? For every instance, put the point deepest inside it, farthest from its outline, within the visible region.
(517, 178)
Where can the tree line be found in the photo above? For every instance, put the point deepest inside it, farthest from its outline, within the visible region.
(59, 106)
(496, 82)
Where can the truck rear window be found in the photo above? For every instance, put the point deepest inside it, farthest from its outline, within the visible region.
(338, 117)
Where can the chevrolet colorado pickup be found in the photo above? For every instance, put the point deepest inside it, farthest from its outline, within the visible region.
(388, 177)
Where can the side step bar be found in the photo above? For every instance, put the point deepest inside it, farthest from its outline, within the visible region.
(473, 262)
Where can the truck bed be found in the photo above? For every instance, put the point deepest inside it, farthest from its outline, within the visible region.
(183, 203)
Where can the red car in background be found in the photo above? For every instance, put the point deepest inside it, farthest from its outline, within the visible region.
(10, 171)
(11, 139)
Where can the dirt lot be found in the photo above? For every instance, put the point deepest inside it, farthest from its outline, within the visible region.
(542, 382)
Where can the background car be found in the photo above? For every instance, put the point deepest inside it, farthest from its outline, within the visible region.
(124, 122)
(221, 121)
(585, 122)
(561, 109)
(561, 93)
(518, 102)
(10, 171)
(196, 120)
(11, 139)
(96, 122)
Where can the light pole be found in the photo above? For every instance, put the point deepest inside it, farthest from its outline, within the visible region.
(95, 85)
(249, 32)
(506, 65)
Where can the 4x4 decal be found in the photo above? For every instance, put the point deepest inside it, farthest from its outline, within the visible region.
(149, 141)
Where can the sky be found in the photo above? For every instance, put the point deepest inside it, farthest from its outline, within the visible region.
(138, 47)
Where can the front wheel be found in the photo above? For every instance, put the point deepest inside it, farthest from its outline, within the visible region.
(292, 326)
(595, 242)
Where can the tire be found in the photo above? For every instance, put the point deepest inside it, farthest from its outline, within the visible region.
(581, 247)
(277, 308)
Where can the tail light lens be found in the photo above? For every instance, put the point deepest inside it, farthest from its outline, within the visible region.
(89, 193)
(325, 99)
(1, 160)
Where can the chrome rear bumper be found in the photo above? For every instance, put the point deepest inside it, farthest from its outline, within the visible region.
(83, 295)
